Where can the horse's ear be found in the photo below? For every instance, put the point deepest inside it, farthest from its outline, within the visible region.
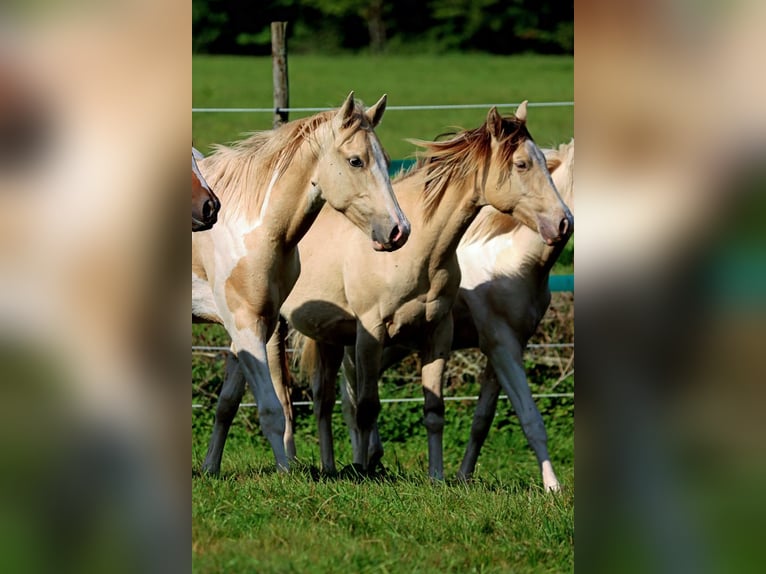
(495, 123)
(375, 113)
(345, 113)
(552, 163)
(521, 111)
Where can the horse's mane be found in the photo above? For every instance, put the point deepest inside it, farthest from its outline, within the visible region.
(242, 172)
(464, 156)
(490, 222)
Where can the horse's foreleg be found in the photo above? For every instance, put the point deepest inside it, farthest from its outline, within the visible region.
(228, 403)
(509, 366)
(369, 348)
(348, 386)
(434, 355)
(482, 420)
(280, 375)
(323, 387)
(253, 358)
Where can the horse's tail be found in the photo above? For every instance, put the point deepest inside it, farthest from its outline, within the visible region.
(283, 334)
(307, 352)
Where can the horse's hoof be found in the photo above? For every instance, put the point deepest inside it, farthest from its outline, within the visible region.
(212, 471)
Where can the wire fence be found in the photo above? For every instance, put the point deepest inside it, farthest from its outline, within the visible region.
(213, 351)
(423, 107)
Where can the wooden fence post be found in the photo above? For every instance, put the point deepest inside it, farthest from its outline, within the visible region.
(279, 72)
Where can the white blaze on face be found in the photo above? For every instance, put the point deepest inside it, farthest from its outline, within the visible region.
(379, 171)
(195, 168)
(538, 157)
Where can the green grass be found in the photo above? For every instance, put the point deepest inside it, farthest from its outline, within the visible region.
(263, 522)
(223, 81)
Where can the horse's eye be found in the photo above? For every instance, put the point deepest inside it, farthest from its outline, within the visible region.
(521, 165)
(355, 162)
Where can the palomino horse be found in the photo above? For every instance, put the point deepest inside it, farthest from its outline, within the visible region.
(205, 204)
(503, 296)
(272, 186)
(348, 296)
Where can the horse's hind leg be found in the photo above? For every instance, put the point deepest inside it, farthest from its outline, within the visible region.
(482, 420)
(348, 398)
(280, 376)
(508, 364)
(228, 403)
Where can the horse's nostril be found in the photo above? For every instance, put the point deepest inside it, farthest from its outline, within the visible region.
(564, 226)
(209, 209)
(396, 233)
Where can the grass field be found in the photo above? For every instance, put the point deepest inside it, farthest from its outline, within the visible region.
(324, 81)
(255, 520)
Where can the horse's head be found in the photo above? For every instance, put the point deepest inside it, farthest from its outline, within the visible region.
(205, 204)
(353, 176)
(518, 180)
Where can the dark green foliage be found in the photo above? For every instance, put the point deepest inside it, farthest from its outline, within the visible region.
(495, 26)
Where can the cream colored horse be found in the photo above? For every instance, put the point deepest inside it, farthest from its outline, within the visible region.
(272, 186)
(503, 296)
(354, 297)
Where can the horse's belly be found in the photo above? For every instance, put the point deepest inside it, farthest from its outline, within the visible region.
(203, 301)
(323, 321)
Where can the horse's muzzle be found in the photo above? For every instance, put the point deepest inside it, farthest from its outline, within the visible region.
(553, 234)
(396, 238)
(208, 215)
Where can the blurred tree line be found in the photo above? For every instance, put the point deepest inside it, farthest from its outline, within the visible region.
(495, 26)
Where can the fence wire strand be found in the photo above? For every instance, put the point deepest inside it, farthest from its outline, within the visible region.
(423, 107)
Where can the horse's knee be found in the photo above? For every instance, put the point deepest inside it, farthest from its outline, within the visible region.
(434, 421)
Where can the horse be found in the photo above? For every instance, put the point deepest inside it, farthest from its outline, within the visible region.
(349, 297)
(205, 204)
(503, 296)
(272, 186)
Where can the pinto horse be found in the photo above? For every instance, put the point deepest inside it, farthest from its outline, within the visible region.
(272, 186)
(205, 204)
(353, 298)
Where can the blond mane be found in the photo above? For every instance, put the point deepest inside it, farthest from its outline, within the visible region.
(464, 156)
(242, 172)
(490, 222)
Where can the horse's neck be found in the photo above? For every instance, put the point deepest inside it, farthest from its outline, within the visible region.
(440, 235)
(291, 205)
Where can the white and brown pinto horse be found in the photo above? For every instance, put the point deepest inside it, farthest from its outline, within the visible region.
(272, 186)
(205, 204)
(350, 297)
